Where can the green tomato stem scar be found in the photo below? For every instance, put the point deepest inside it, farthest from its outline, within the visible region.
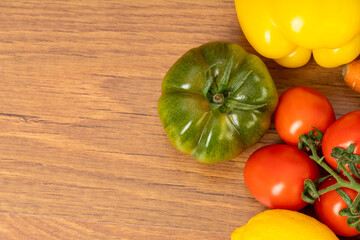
(218, 98)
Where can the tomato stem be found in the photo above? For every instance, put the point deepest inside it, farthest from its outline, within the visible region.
(343, 156)
(220, 95)
(354, 208)
(310, 143)
(348, 175)
(218, 98)
(340, 182)
(330, 188)
(213, 90)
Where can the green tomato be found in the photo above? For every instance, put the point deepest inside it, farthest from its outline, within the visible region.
(216, 101)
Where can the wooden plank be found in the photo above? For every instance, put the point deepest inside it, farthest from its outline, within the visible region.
(80, 137)
(34, 227)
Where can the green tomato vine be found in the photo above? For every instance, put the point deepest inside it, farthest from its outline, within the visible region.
(344, 157)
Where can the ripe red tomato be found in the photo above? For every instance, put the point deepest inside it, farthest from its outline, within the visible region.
(275, 176)
(328, 206)
(342, 133)
(300, 109)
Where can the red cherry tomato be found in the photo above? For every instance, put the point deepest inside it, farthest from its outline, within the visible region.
(275, 176)
(342, 133)
(300, 109)
(328, 206)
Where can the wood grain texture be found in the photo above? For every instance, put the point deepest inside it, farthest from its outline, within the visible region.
(83, 154)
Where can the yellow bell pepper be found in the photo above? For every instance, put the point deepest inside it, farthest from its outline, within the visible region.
(279, 224)
(290, 31)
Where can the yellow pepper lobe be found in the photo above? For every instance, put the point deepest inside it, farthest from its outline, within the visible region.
(297, 58)
(280, 224)
(327, 57)
(260, 30)
(289, 30)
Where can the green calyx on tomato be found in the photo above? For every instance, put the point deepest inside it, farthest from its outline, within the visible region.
(350, 198)
(327, 208)
(222, 97)
(342, 133)
(217, 100)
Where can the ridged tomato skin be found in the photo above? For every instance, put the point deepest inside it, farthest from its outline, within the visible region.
(217, 134)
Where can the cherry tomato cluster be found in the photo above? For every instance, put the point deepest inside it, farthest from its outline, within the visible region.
(275, 174)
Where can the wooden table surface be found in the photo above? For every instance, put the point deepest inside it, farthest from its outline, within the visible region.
(83, 154)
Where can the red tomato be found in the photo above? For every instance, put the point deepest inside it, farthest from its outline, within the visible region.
(300, 109)
(275, 176)
(328, 207)
(342, 133)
